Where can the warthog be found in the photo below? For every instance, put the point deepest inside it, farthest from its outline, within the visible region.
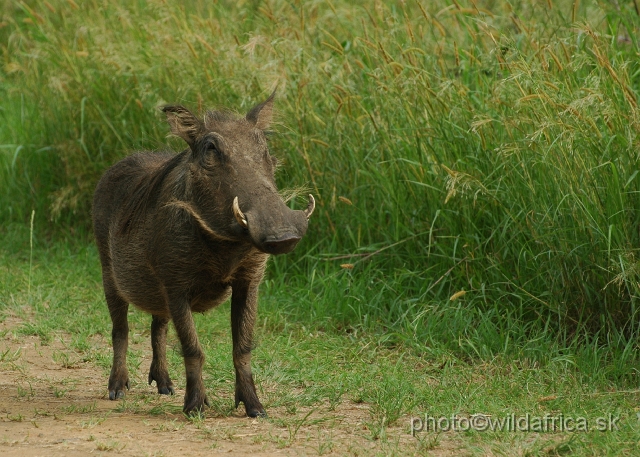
(181, 233)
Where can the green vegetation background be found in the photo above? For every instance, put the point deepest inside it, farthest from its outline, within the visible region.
(485, 151)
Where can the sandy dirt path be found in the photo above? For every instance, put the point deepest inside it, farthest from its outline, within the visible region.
(52, 403)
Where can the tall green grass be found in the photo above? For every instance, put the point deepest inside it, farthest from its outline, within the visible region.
(486, 147)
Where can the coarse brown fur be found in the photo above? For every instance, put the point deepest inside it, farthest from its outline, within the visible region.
(171, 244)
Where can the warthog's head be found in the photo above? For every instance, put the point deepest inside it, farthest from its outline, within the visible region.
(232, 178)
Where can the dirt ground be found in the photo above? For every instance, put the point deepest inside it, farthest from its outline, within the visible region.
(55, 405)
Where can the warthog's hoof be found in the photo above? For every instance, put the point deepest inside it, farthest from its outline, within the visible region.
(256, 412)
(166, 390)
(116, 392)
(248, 396)
(163, 382)
(113, 395)
(195, 403)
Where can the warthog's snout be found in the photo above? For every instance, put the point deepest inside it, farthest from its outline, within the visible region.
(272, 226)
(281, 245)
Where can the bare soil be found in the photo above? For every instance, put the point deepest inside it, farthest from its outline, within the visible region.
(53, 404)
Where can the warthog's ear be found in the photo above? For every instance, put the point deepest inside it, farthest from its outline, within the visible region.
(183, 123)
(261, 115)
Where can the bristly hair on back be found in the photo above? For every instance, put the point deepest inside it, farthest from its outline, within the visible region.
(146, 195)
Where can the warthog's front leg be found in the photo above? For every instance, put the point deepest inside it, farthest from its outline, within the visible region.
(244, 304)
(195, 397)
(158, 371)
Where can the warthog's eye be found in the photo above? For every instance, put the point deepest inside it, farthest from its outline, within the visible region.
(209, 153)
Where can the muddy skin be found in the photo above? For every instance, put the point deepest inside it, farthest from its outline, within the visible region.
(181, 233)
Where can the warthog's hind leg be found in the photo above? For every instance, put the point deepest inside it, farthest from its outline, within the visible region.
(119, 378)
(195, 397)
(158, 371)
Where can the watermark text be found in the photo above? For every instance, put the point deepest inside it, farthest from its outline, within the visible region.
(513, 423)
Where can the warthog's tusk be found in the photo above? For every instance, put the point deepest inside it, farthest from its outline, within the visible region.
(240, 217)
(310, 207)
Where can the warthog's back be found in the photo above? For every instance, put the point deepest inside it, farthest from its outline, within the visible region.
(119, 185)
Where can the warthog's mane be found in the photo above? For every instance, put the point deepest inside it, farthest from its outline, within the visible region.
(146, 194)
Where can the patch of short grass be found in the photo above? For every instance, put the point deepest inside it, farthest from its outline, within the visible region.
(311, 376)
